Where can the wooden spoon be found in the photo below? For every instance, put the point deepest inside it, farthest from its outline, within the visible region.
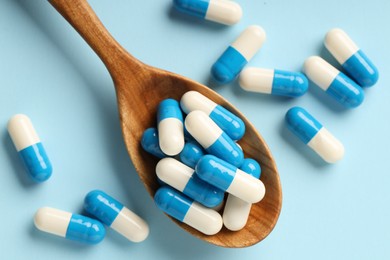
(139, 89)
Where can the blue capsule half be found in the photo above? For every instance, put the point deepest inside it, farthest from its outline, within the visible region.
(191, 154)
(251, 167)
(30, 148)
(185, 210)
(238, 54)
(220, 11)
(335, 83)
(274, 82)
(229, 178)
(355, 62)
(314, 134)
(170, 127)
(150, 143)
(71, 226)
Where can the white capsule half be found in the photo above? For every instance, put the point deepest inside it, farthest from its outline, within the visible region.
(224, 12)
(250, 41)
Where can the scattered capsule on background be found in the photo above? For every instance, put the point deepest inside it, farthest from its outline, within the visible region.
(29, 147)
(313, 134)
(170, 127)
(232, 125)
(229, 178)
(238, 54)
(351, 57)
(212, 138)
(112, 213)
(186, 210)
(236, 211)
(220, 11)
(150, 143)
(274, 82)
(183, 178)
(333, 82)
(191, 154)
(68, 225)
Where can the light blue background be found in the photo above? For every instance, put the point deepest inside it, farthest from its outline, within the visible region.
(47, 71)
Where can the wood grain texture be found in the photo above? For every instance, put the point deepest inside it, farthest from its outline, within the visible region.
(139, 90)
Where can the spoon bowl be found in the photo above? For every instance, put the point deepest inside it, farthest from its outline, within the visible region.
(139, 89)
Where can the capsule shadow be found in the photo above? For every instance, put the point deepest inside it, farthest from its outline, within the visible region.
(300, 147)
(17, 163)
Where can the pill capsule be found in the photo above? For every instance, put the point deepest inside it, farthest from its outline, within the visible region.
(229, 178)
(150, 143)
(183, 178)
(220, 11)
(191, 154)
(333, 82)
(232, 125)
(68, 225)
(212, 138)
(112, 213)
(29, 147)
(238, 54)
(313, 134)
(186, 210)
(274, 82)
(170, 127)
(236, 211)
(351, 57)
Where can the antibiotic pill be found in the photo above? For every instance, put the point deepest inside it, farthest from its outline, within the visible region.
(212, 138)
(220, 11)
(229, 178)
(184, 179)
(112, 213)
(238, 54)
(170, 127)
(29, 147)
(236, 211)
(274, 82)
(191, 154)
(185, 210)
(333, 82)
(351, 57)
(232, 125)
(313, 134)
(150, 143)
(68, 225)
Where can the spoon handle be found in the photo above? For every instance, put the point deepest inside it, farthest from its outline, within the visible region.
(81, 16)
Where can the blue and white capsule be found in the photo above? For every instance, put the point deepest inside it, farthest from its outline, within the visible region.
(71, 226)
(191, 154)
(231, 124)
(238, 54)
(29, 147)
(112, 213)
(219, 11)
(236, 211)
(333, 82)
(170, 127)
(229, 178)
(184, 209)
(212, 138)
(183, 178)
(355, 62)
(150, 143)
(314, 135)
(274, 82)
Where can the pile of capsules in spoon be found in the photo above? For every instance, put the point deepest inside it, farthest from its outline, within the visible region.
(200, 161)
